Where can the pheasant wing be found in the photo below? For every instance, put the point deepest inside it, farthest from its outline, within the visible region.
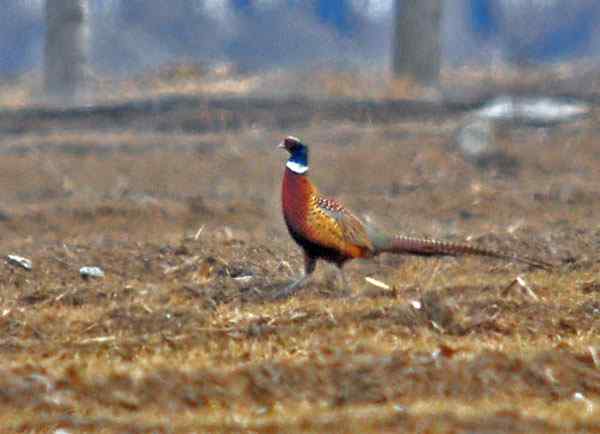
(339, 228)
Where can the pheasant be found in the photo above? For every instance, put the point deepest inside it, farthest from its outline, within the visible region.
(325, 229)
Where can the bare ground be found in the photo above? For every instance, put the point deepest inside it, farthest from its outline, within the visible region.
(182, 334)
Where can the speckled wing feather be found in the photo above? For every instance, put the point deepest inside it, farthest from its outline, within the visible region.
(334, 226)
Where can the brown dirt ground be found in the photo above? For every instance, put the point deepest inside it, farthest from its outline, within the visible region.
(183, 336)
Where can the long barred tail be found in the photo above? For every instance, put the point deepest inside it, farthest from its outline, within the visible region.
(430, 247)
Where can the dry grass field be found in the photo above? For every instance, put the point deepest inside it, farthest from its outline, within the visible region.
(181, 210)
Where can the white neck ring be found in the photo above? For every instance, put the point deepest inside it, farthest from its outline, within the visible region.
(296, 167)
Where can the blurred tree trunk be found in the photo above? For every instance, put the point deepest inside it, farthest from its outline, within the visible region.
(66, 49)
(416, 44)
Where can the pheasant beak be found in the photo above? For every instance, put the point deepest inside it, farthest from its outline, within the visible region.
(281, 146)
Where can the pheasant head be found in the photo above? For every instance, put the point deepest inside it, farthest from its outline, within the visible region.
(298, 161)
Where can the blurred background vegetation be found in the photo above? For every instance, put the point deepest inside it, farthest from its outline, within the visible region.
(120, 38)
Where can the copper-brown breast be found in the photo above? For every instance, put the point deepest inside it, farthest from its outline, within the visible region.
(295, 193)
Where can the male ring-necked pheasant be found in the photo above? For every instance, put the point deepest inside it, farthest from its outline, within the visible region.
(325, 229)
